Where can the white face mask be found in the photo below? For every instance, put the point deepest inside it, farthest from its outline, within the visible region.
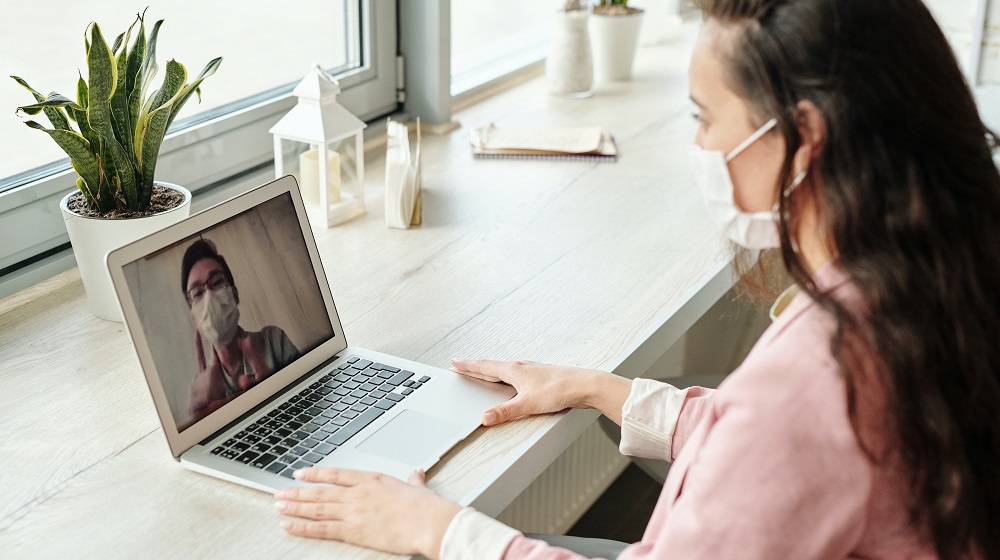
(753, 230)
(217, 316)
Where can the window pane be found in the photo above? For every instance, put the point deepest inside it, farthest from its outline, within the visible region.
(486, 33)
(263, 46)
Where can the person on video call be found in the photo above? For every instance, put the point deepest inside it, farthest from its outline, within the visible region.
(240, 359)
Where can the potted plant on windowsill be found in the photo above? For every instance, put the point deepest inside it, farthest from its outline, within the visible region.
(614, 33)
(119, 122)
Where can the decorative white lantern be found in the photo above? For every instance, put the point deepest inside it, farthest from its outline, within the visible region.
(334, 189)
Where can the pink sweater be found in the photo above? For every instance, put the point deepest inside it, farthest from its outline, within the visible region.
(766, 467)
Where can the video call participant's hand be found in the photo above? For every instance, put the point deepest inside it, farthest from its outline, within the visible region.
(208, 393)
(543, 388)
(247, 381)
(367, 509)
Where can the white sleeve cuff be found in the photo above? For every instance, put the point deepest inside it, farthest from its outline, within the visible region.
(472, 534)
(649, 416)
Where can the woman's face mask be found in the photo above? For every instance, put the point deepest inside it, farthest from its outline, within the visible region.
(753, 230)
(217, 315)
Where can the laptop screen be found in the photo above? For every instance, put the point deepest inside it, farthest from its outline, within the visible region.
(228, 307)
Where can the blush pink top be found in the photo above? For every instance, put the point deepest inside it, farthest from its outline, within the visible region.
(765, 467)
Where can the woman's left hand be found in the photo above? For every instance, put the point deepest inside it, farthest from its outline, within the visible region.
(367, 509)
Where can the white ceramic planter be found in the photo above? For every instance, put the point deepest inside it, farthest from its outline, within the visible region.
(614, 40)
(93, 238)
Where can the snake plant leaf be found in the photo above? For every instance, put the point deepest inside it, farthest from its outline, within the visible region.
(82, 91)
(124, 160)
(79, 150)
(120, 122)
(153, 124)
(193, 87)
(173, 83)
(107, 188)
(117, 43)
(54, 114)
(123, 173)
(149, 70)
(82, 186)
(133, 73)
(82, 99)
(53, 100)
(101, 81)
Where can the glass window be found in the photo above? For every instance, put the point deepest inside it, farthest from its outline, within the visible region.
(490, 38)
(262, 48)
(221, 142)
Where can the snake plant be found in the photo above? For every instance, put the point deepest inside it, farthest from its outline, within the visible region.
(116, 141)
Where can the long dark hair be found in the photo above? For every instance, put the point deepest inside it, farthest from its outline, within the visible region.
(909, 196)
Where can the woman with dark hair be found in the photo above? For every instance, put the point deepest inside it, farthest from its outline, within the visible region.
(863, 423)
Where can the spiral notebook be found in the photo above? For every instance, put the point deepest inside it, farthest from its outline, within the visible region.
(588, 143)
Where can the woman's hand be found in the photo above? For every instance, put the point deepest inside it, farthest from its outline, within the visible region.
(543, 388)
(367, 509)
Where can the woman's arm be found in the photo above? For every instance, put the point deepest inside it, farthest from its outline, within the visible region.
(651, 409)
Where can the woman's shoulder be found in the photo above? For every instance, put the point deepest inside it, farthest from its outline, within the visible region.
(791, 377)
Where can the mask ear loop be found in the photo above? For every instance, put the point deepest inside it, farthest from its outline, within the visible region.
(784, 194)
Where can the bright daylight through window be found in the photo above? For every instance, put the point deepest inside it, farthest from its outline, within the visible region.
(263, 46)
(490, 38)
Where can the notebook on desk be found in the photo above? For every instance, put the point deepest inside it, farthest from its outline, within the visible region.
(237, 334)
(584, 143)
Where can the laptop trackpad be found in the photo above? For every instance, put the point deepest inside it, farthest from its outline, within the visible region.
(410, 438)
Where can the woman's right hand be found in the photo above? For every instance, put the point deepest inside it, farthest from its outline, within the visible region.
(543, 388)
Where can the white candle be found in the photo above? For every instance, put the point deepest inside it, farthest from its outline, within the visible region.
(309, 176)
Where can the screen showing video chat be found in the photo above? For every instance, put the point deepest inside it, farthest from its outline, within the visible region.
(225, 309)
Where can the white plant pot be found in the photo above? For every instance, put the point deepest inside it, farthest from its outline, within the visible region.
(93, 238)
(614, 40)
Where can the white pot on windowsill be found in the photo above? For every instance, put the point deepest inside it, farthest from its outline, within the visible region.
(614, 39)
(92, 238)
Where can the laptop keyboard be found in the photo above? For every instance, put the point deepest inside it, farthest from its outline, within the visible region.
(320, 418)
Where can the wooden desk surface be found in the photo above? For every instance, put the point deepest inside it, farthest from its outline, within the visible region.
(587, 264)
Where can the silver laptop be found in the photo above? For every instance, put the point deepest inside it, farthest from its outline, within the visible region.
(232, 318)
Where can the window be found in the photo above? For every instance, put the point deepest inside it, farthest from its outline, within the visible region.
(191, 33)
(491, 38)
(266, 49)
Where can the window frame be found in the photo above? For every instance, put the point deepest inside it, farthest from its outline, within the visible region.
(200, 153)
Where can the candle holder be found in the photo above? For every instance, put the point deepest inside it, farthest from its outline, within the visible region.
(332, 170)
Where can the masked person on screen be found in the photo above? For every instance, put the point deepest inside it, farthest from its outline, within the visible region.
(240, 359)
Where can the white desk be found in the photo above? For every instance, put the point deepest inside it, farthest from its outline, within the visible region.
(587, 264)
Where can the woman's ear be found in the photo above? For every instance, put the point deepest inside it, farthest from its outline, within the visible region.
(812, 135)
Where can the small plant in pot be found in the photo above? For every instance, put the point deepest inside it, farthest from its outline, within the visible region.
(614, 33)
(112, 134)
